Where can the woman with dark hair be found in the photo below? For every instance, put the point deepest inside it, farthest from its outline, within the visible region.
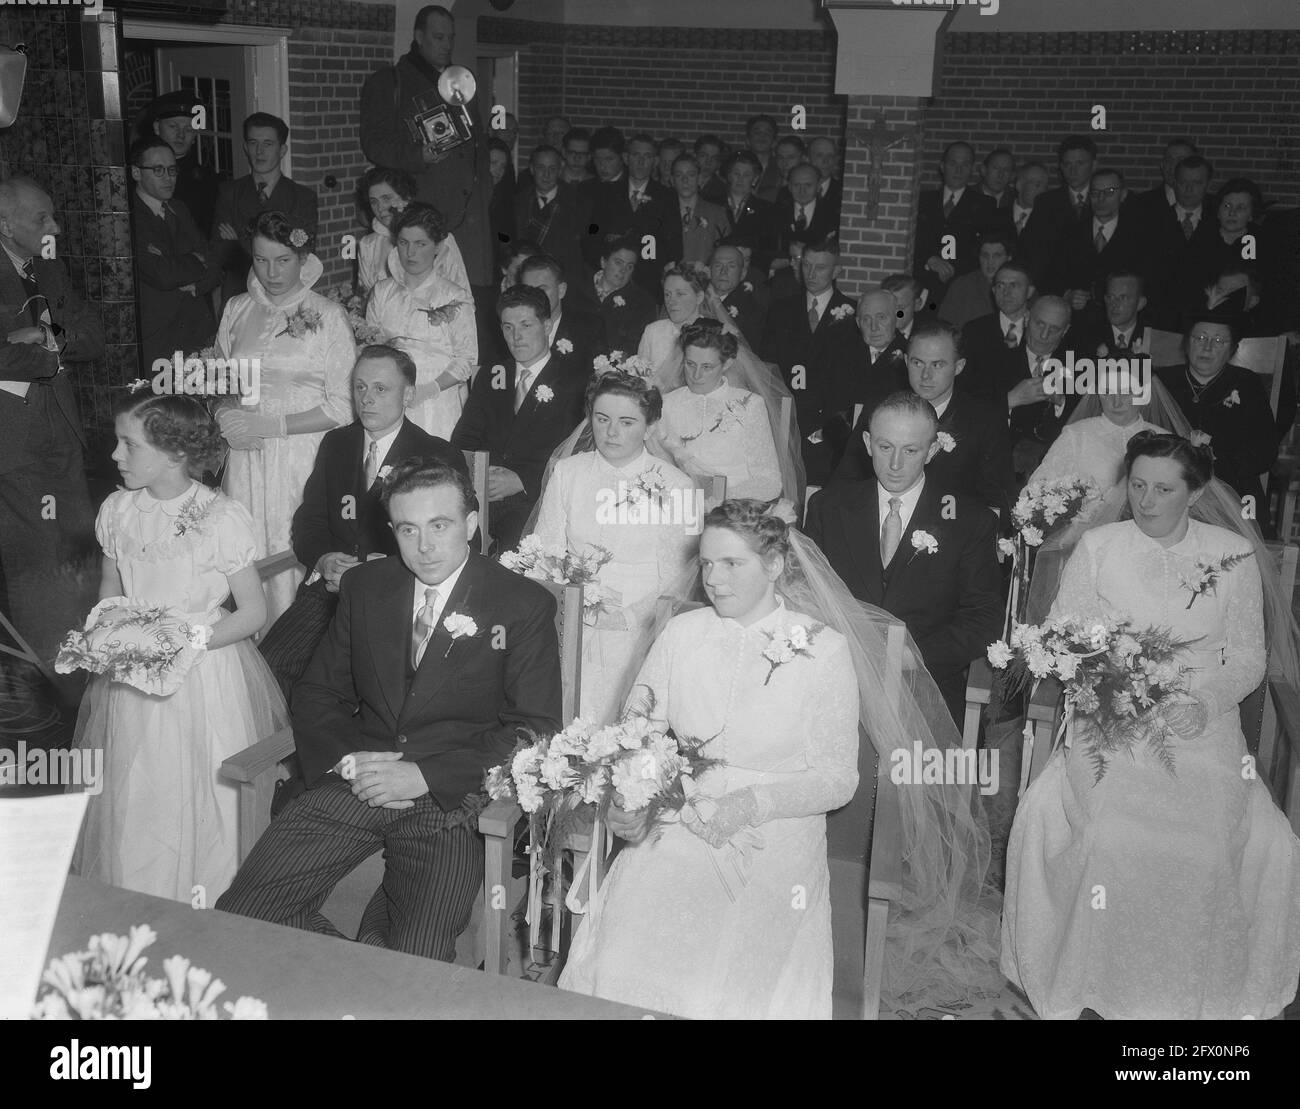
(304, 351)
(1239, 208)
(634, 505)
(428, 316)
(165, 821)
(685, 291)
(1226, 406)
(1151, 894)
(711, 426)
(624, 306)
(384, 194)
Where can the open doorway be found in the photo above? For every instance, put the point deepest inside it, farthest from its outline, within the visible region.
(497, 74)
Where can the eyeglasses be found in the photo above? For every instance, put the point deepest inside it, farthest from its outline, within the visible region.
(1216, 340)
(1107, 192)
(162, 171)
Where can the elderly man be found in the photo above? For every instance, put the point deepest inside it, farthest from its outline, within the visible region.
(728, 270)
(1037, 414)
(46, 523)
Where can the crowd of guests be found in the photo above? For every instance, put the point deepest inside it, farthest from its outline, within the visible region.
(633, 313)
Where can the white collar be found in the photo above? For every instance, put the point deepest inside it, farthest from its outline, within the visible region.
(443, 589)
(554, 326)
(824, 187)
(1006, 321)
(530, 372)
(954, 194)
(1018, 209)
(1171, 197)
(821, 300)
(547, 197)
(152, 203)
(909, 499)
(1105, 225)
(808, 208)
(383, 444)
(1193, 213)
(940, 409)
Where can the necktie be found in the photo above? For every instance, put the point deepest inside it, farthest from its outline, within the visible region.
(32, 290)
(948, 206)
(262, 195)
(891, 531)
(1012, 336)
(1021, 220)
(801, 220)
(372, 463)
(1100, 241)
(637, 197)
(422, 630)
(1189, 228)
(686, 218)
(1077, 200)
(521, 388)
(541, 204)
(1121, 340)
(813, 317)
(169, 216)
(1035, 366)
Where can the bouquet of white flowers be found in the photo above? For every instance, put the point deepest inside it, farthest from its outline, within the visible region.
(564, 567)
(1120, 682)
(107, 982)
(147, 646)
(632, 364)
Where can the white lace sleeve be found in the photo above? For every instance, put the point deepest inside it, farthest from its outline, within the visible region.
(552, 521)
(1077, 595)
(760, 452)
(1243, 650)
(830, 715)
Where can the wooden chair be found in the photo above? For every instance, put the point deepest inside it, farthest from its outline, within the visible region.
(714, 488)
(256, 769)
(269, 567)
(477, 461)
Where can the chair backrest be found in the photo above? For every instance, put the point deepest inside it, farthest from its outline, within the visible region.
(714, 488)
(278, 563)
(477, 461)
(1266, 357)
(568, 627)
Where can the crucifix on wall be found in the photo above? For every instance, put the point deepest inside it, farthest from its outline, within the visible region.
(877, 141)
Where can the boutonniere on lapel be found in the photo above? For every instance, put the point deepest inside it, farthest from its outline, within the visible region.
(947, 442)
(842, 312)
(384, 471)
(748, 286)
(924, 541)
(619, 302)
(786, 644)
(1232, 399)
(459, 626)
(731, 308)
(564, 346)
(444, 313)
(302, 322)
(1208, 572)
(543, 393)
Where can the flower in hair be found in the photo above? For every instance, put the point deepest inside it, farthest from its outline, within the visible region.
(298, 238)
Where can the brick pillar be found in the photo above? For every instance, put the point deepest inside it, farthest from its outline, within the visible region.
(872, 248)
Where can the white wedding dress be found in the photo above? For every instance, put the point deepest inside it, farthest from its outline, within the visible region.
(399, 306)
(1151, 895)
(1093, 448)
(376, 248)
(743, 931)
(580, 508)
(725, 432)
(297, 375)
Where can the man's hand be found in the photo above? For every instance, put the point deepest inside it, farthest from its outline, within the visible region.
(943, 269)
(1030, 391)
(503, 483)
(28, 335)
(382, 779)
(628, 826)
(432, 155)
(227, 232)
(334, 565)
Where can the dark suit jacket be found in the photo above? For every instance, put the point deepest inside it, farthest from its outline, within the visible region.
(585, 330)
(196, 188)
(609, 212)
(951, 601)
(1181, 267)
(1095, 332)
(624, 322)
(458, 714)
(748, 314)
(769, 182)
(973, 214)
(559, 229)
(171, 320)
(237, 205)
(338, 513)
(1038, 422)
(1034, 242)
(825, 221)
(788, 342)
(82, 339)
(1079, 266)
(985, 350)
(523, 442)
(755, 221)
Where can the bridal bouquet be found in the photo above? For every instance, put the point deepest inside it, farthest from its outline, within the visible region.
(1123, 683)
(563, 567)
(147, 646)
(632, 364)
(363, 331)
(107, 982)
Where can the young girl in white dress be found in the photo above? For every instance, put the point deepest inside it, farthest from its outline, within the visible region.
(165, 822)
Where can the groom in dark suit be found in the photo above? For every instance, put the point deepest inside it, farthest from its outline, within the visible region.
(901, 544)
(340, 523)
(432, 665)
(521, 411)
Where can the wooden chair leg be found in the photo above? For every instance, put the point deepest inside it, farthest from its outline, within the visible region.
(873, 973)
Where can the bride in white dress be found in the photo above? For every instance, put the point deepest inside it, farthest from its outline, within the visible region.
(305, 347)
(1151, 895)
(596, 498)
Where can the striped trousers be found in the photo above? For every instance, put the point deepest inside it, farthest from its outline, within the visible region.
(433, 869)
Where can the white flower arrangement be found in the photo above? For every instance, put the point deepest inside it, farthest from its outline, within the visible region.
(619, 302)
(947, 442)
(618, 362)
(1208, 572)
(459, 626)
(1232, 399)
(733, 311)
(564, 346)
(787, 644)
(563, 567)
(842, 311)
(1006, 549)
(648, 488)
(924, 541)
(545, 394)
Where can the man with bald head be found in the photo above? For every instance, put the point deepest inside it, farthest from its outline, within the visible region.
(1036, 415)
(46, 524)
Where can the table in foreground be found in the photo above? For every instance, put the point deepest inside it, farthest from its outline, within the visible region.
(302, 975)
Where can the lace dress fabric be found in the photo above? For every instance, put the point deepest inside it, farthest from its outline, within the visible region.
(581, 508)
(743, 931)
(165, 821)
(724, 432)
(297, 375)
(1151, 895)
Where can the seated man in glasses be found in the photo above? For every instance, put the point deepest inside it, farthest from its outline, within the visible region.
(1091, 248)
(175, 269)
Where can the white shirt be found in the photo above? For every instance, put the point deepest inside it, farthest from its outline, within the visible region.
(807, 210)
(1005, 321)
(954, 196)
(642, 190)
(383, 444)
(546, 198)
(152, 203)
(529, 374)
(940, 409)
(443, 590)
(824, 187)
(905, 509)
(554, 326)
(1017, 211)
(822, 300)
(1128, 332)
(1107, 228)
(1182, 213)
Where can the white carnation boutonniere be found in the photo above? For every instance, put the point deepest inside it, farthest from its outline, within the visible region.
(947, 442)
(459, 626)
(1232, 399)
(924, 541)
(842, 312)
(564, 346)
(1208, 571)
(384, 472)
(619, 302)
(1006, 549)
(731, 308)
(786, 644)
(748, 286)
(545, 393)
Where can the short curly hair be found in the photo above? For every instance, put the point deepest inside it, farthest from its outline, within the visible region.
(424, 216)
(694, 274)
(766, 534)
(178, 426)
(709, 335)
(645, 394)
(276, 227)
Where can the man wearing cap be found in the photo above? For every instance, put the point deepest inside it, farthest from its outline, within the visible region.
(172, 118)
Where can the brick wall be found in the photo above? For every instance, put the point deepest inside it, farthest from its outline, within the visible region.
(670, 80)
(1235, 92)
